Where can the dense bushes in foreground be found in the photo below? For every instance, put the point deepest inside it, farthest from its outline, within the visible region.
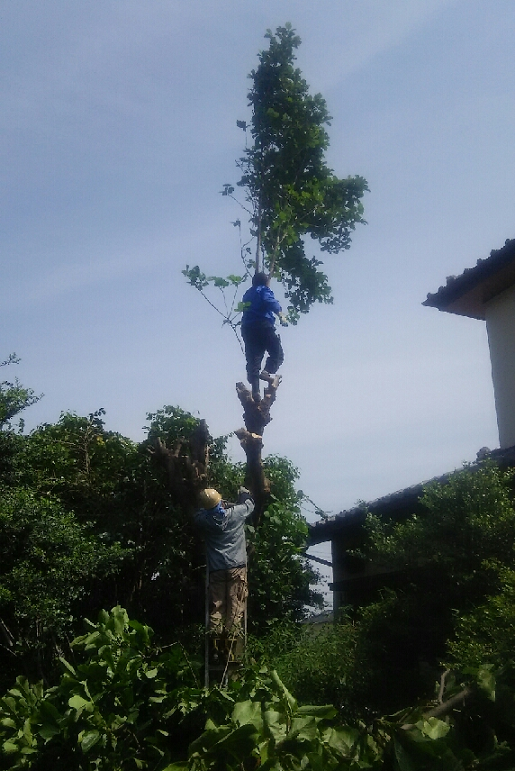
(123, 703)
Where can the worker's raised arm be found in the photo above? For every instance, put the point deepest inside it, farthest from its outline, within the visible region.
(245, 499)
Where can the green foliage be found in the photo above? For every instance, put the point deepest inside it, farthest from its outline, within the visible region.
(49, 566)
(118, 706)
(174, 426)
(290, 192)
(486, 632)
(454, 565)
(87, 520)
(257, 723)
(366, 665)
(228, 292)
(320, 661)
(280, 577)
(120, 495)
(289, 188)
(171, 424)
(317, 661)
(467, 522)
(124, 703)
(14, 398)
(448, 593)
(80, 462)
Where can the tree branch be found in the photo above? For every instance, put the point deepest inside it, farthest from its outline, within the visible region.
(445, 707)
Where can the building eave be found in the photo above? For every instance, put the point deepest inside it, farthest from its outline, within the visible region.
(397, 504)
(467, 294)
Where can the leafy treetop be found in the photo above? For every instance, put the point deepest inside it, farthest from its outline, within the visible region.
(290, 191)
(13, 397)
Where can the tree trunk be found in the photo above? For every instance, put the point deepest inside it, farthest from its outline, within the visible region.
(256, 415)
(186, 464)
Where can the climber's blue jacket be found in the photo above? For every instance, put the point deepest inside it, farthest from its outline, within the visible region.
(263, 306)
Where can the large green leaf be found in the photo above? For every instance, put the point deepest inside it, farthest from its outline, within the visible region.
(79, 703)
(88, 739)
(248, 712)
(433, 728)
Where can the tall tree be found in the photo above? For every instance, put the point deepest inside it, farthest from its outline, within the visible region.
(290, 191)
(14, 398)
(289, 187)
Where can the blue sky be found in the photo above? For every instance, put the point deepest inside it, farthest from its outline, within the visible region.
(118, 125)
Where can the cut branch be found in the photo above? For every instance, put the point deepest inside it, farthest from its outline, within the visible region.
(445, 707)
(185, 465)
(256, 416)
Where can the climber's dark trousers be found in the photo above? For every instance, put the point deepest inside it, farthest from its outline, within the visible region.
(258, 341)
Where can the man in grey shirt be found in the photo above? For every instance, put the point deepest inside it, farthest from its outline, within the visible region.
(223, 528)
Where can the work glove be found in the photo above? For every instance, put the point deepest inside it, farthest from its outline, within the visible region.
(283, 319)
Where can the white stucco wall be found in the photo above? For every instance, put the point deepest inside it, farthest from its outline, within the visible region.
(500, 325)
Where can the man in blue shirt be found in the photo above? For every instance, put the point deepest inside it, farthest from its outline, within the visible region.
(258, 332)
(223, 528)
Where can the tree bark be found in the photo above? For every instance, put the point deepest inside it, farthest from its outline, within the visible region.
(256, 415)
(445, 707)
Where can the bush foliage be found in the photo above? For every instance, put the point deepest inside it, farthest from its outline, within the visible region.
(87, 522)
(124, 703)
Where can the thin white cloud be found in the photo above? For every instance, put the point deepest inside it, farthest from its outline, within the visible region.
(361, 32)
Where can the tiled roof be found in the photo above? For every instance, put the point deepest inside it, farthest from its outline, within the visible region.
(402, 502)
(467, 294)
